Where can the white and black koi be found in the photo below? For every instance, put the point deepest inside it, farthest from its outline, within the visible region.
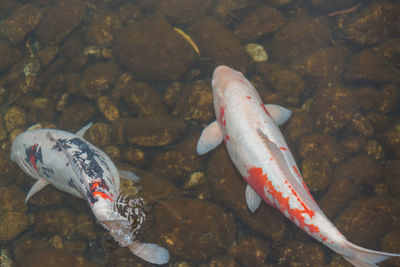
(73, 165)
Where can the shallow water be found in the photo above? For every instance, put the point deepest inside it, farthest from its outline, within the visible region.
(141, 71)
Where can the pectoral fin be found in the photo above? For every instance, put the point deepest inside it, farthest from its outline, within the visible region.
(128, 175)
(39, 185)
(253, 200)
(210, 138)
(150, 252)
(82, 131)
(279, 114)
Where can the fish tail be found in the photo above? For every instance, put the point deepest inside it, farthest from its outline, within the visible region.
(150, 252)
(362, 257)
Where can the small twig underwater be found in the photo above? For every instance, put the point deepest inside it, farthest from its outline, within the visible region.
(344, 11)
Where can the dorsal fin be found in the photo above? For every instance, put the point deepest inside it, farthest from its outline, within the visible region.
(82, 131)
(283, 166)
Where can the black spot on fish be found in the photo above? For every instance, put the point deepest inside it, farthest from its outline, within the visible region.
(90, 197)
(48, 172)
(83, 156)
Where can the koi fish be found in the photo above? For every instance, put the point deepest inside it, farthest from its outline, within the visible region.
(73, 165)
(260, 153)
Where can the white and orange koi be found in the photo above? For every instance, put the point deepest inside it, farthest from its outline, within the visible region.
(73, 165)
(260, 153)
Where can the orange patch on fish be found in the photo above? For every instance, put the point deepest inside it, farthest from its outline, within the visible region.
(260, 181)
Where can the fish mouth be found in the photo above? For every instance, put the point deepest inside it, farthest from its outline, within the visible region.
(24, 165)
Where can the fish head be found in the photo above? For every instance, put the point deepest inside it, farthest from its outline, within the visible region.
(225, 82)
(26, 151)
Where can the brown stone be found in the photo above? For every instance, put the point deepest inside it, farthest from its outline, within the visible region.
(369, 66)
(250, 250)
(185, 235)
(365, 221)
(317, 174)
(152, 49)
(177, 163)
(391, 172)
(8, 56)
(56, 222)
(48, 54)
(103, 27)
(391, 137)
(21, 22)
(323, 65)
(141, 98)
(373, 24)
(76, 116)
(149, 131)
(262, 21)
(99, 134)
(390, 49)
(122, 257)
(285, 82)
(328, 6)
(195, 102)
(184, 11)
(153, 187)
(321, 146)
(332, 109)
(389, 98)
(296, 253)
(47, 197)
(349, 179)
(294, 129)
(222, 261)
(220, 45)
(41, 109)
(53, 257)
(298, 36)
(8, 169)
(12, 223)
(98, 79)
(59, 21)
(391, 243)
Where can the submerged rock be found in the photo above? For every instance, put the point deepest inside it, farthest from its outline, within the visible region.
(262, 21)
(250, 250)
(152, 49)
(59, 21)
(177, 163)
(53, 257)
(11, 224)
(298, 36)
(294, 253)
(373, 24)
(348, 181)
(149, 131)
(219, 44)
(21, 22)
(365, 221)
(368, 66)
(184, 11)
(195, 102)
(193, 229)
(98, 79)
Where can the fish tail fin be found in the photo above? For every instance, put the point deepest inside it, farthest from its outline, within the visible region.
(362, 257)
(150, 252)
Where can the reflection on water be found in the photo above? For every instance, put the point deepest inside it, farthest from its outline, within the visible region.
(132, 68)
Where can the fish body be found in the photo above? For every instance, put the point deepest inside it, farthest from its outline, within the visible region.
(260, 153)
(73, 165)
